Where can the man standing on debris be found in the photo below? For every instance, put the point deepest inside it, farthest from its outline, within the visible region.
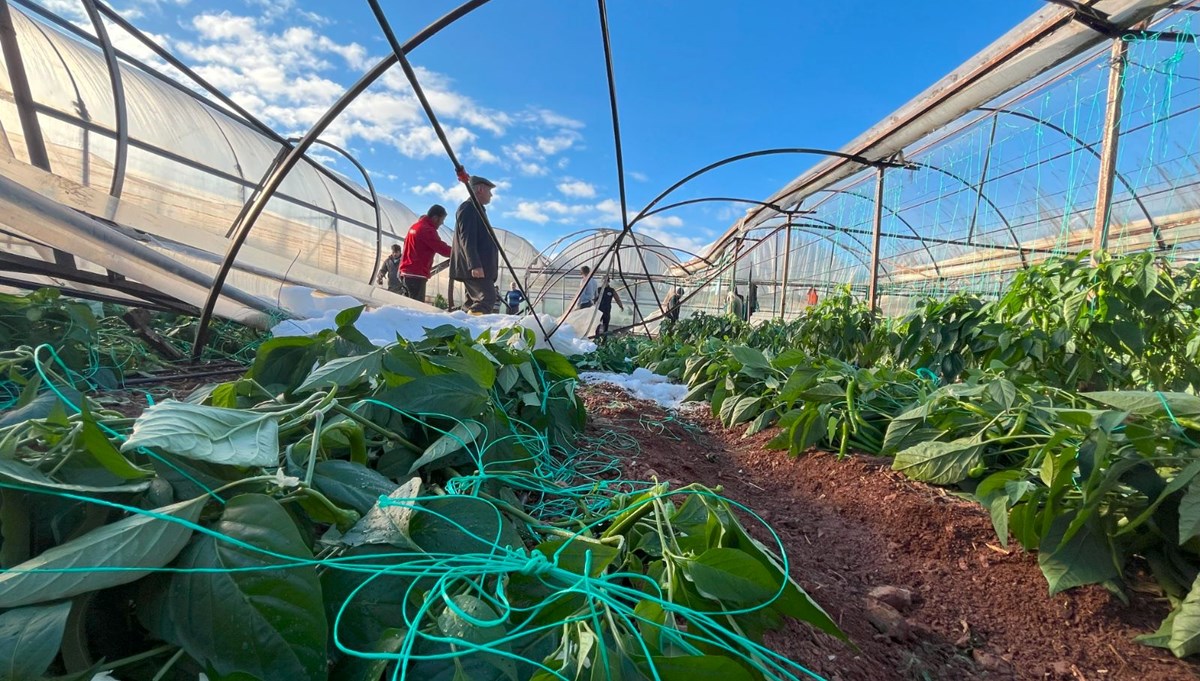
(391, 270)
(475, 260)
(587, 295)
(420, 245)
(607, 296)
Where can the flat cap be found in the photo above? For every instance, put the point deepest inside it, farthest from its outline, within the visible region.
(476, 180)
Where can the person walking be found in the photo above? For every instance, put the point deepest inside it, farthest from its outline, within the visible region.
(736, 305)
(390, 270)
(607, 297)
(513, 299)
(587, 292)
(420, 245)
(474, 257)
(673, 305)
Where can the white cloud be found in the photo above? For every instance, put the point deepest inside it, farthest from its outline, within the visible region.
(483, 155)
(577, 189)
(529, 210)
(640, 177)
(451, 196)
(532, 169)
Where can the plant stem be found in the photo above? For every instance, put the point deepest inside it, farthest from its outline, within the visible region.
(367, 423)
(153, 652)
(167, 667)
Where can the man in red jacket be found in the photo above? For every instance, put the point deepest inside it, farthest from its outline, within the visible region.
(421, 243)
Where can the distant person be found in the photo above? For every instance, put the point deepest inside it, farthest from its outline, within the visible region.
(673, 305)
(812, 295)
(737, 304)
(391, 270)
(513, 299)
(587, 292)
(607, 296)
(752, 301)
(475, 259)
(496, 300)
(420, 245)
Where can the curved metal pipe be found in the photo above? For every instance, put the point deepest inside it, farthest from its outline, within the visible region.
(896, 214)
(118, 92)
(988, 200)
(1158, 238)
(374, 199)
(282, 167)
(753, 154)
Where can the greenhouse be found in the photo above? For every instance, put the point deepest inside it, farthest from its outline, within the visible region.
(923, 405)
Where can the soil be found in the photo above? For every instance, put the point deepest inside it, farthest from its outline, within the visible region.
(979, 610)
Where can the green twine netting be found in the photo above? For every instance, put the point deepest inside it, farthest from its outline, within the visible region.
(573, 487)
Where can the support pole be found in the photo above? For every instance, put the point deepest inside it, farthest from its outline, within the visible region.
(787, 265)
(1108, 146)
(31, 128)
(877, 230)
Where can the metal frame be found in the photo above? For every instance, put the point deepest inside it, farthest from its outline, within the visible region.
(374, 200)
(279, 170)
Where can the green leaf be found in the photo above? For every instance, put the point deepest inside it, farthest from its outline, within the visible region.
(224, 436)
(458, 621)
(1087, 558)
(574, 554)
(29, 640)
(461, 436)
(86, 563)
(358, 668)
(15, 471)
(388, 524)
(1148, 403)
(749, 357)
(282, 363)
(745, 409)
(242, 613)
(555, 363)
(1185, 632)
(342, 372)
(348, 316)
(470, 362)
(351, 485)
(1189, 513)
(731, 576)
(105, 453)
(428, 395)
(941, 463)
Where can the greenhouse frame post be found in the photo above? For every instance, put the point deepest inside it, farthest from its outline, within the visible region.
(876, 232)
(1108, 146)
(118, 91)
(31, 129)
(787, 266)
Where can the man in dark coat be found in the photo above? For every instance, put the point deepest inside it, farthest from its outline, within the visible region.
(474, 258)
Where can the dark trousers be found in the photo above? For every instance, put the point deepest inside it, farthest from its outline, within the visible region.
(480, 296)
(605, 318)
(416, 287)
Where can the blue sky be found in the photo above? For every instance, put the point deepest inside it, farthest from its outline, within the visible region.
(520, 86)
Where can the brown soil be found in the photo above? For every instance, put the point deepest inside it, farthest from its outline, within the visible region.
(980, 611)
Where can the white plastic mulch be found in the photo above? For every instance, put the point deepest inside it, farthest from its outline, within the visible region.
(382, 324)
(643, 385)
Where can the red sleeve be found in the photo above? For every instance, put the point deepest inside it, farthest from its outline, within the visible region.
(434, 243)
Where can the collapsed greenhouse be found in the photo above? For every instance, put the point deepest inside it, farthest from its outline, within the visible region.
(1041, 204)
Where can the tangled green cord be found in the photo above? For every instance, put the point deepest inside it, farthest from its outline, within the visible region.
(576, 489)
